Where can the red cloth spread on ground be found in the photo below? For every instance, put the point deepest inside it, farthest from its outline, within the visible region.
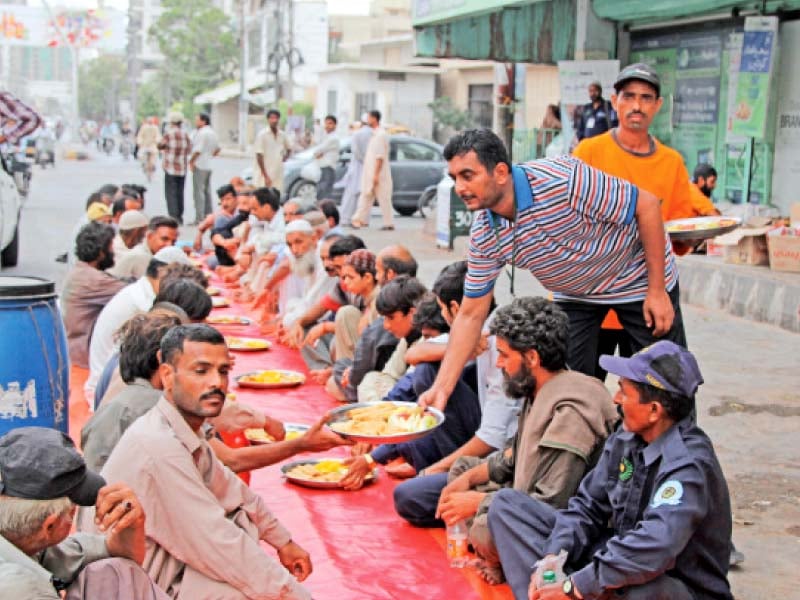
(359, 547)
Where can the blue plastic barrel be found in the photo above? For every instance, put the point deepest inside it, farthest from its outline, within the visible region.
(34, 364)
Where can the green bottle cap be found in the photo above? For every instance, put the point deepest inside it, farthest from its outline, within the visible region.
(549, 577)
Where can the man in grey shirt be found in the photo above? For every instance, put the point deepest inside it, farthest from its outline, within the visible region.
(42, 479)
(352, 179)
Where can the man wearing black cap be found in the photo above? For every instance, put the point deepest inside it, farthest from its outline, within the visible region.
(631, 153)
(42, 479)
(658, 484)
(596, 117)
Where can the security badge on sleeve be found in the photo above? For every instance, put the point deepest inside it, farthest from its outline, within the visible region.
(625, 469)
(669, 493)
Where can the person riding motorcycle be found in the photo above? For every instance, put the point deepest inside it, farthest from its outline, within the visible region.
(45, 146)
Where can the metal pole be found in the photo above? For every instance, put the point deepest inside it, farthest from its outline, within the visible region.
(243, 104)
(278, 44)
(289, 46)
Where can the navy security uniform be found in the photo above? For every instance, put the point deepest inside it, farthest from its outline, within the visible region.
(594, 121)
(648, 522)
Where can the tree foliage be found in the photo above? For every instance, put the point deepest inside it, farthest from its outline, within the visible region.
(102, 83)
(446, 114)
(200, 48)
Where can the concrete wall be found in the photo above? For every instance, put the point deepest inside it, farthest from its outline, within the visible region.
(401, 102)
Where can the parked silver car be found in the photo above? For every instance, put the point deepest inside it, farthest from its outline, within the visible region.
(416, 165)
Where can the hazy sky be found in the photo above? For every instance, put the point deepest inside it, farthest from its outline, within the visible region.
(334, 6)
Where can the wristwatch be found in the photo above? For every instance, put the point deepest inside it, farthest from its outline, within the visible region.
(568, 588)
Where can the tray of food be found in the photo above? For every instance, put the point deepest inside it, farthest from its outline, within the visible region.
(259, 436)
(320, 473)
(219, 302)
(228, 320)
(212, 291)
(271, 378)
(384, 422)
(701, 228)
(246, 344)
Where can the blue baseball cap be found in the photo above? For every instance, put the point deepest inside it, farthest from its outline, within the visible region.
(664, 365)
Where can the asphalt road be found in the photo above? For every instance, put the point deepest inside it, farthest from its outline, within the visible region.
(749, 405)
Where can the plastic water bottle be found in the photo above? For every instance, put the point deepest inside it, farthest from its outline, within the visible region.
(457, 544)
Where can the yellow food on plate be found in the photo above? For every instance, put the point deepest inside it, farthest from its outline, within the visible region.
(329, 470)
(228, 320)
(258, 435)
(701, 225)
(219, 302)
(385, 418)
(261, 436)
(236, 343)
(271, 376)
(212, 291)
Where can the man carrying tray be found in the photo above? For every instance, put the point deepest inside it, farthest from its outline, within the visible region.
(595, 241)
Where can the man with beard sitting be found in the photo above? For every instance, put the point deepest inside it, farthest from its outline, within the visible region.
(88, 288)
(304, 267)
(564, 421)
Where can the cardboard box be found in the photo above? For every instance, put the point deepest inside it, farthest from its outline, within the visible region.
(745, 246)
(784, 250)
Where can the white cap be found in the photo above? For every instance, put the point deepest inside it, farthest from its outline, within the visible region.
(173, 254)
(299, 225)
(133, 219)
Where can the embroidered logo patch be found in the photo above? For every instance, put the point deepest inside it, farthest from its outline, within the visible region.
(625, 469)
(669, 493)
(654, 382)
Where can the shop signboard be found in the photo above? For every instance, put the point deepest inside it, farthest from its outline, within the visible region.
(759, 47)
(574, 77)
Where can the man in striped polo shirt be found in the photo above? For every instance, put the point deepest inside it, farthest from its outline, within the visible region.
(595, 241)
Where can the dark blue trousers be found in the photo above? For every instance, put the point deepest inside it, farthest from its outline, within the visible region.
(520, 528)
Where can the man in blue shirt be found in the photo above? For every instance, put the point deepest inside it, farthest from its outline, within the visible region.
(652, 521)
(596, 117)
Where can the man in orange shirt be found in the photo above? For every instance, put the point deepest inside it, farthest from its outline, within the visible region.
(704, 181)
(630, 152)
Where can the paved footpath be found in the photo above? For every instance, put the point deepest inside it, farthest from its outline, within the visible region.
(749, 405)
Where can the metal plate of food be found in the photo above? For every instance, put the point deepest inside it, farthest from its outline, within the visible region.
(384, 422)
(212, 291)
(259, 436)
(219, 302)
(270, 379)
(228, 320)
(245, 344)
(701, 228)
(320, 473)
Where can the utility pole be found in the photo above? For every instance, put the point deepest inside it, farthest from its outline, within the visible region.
(134, 46)
(276, 47)
(243, 103)
(289, 47)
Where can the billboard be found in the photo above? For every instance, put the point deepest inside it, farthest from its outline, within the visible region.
(33, 26)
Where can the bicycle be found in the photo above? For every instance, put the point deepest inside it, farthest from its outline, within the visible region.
(148, 160)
